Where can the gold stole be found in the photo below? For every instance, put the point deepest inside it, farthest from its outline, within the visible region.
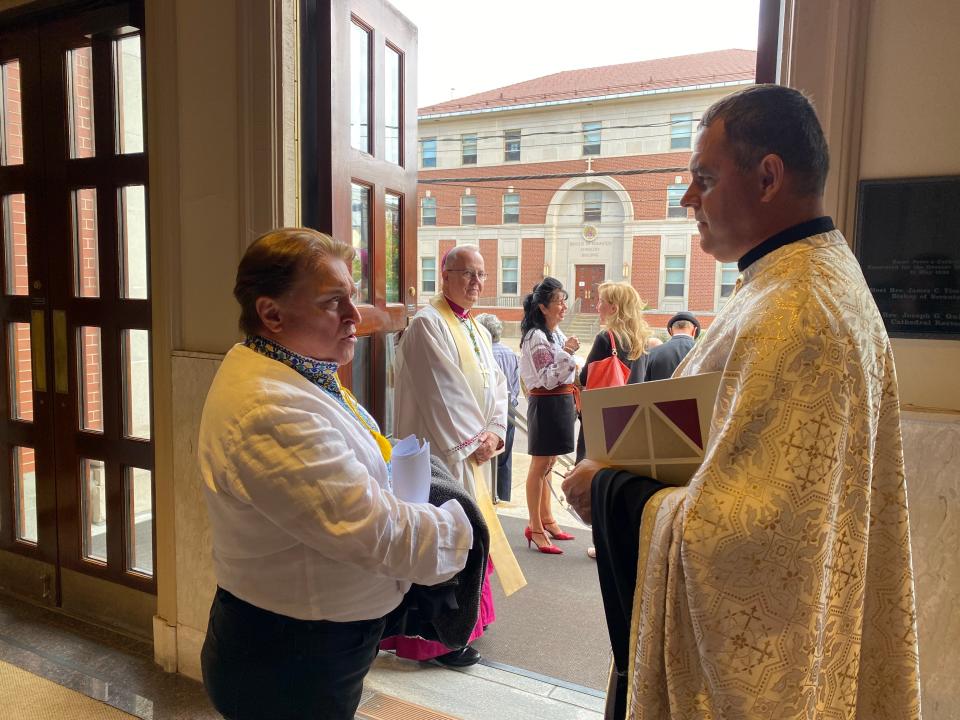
(504, 561)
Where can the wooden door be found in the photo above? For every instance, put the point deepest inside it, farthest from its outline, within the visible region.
(588, 279)
(359, 169)
(76, 311)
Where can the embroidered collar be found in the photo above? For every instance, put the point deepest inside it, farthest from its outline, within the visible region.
(460, 312)
(785, 237)
(322, 373)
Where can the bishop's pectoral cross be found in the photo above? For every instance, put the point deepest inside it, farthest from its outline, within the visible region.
(476, 349)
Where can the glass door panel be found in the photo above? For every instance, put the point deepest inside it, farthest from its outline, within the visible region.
(86, 259)
(16, 273)
(79, 87)
(139, 520)
(20, 371)
(25, 494)
(11, 137)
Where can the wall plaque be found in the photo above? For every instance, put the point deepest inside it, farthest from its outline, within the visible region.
(908, 245)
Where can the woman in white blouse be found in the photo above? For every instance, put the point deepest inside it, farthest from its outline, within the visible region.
(311, 550)
(548, 371)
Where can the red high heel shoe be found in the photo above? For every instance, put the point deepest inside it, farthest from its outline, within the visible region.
(560, 534)
(548, 549)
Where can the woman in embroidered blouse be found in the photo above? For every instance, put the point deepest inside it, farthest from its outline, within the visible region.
(548, 372)
(311, 550)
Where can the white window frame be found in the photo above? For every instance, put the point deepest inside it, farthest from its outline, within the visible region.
(510, 136)
(672, 212)
(591, 146)
(686, 277)
(681, 131)
(503, 274)
(503, 216)
(423, 152)
(423, 272)
(593, 203)
(465, 140)
(721, 269)
(423, 206)
(464, 201)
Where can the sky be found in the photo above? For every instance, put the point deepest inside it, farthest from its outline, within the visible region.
(467, 47)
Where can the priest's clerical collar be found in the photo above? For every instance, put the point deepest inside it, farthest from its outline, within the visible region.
(785, 237)
(460, 312)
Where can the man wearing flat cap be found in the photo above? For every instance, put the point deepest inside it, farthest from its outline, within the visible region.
(663, 359)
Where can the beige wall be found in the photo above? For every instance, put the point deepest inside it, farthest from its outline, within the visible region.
(911, 99)
(910, 129)
(220, 169)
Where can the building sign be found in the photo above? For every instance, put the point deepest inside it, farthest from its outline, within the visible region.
(908, 244)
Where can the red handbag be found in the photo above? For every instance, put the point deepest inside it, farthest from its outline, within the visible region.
(609, 372)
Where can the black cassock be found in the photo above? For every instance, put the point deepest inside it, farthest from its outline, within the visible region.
(617, 499)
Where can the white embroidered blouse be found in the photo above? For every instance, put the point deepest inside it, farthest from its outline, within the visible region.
(545, 364)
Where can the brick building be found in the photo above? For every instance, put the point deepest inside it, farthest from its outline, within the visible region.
(578, 175)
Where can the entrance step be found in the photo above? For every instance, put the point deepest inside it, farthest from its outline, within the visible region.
(487, 691)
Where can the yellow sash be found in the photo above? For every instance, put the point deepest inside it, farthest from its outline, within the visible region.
(505, 562)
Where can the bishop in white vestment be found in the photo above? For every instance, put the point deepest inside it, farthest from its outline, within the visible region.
(450, 390)
(434, 397)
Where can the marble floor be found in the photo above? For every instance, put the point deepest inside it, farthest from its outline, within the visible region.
(99, 663)
(119, 670)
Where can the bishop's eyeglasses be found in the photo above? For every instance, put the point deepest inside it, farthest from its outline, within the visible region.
(471, 274)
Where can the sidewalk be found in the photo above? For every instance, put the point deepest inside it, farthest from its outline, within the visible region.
(492, 690)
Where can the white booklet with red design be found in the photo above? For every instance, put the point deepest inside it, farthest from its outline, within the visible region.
(658, 429)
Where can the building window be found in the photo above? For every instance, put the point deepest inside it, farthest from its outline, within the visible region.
(468, 144)
(674, 276)
(361, 231)
(681, 131)
(359, 87)
(511, 208)
(428, 216)
(428, 152)
(592, 205)
(509, 274)
(468, 210)
(511, 145)
(729, 272)
(428, 275)
(393, 72)
(591, 138)
(674, 196)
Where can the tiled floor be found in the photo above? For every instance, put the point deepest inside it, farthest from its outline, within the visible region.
(120, 671)
(101, 664)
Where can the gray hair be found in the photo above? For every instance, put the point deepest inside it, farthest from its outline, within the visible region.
(492, 323)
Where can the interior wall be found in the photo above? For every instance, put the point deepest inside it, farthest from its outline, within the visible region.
(911, 99)
(910, 129)
(222, 161)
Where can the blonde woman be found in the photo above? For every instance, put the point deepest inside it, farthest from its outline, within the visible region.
(621, 312)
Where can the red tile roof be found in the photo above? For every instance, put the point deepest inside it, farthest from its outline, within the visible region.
(682, 71)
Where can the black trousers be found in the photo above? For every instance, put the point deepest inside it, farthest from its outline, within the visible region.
(617, 498)
(505, 464)
(260, 665)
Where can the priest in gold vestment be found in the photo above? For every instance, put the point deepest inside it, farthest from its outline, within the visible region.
(778, 583)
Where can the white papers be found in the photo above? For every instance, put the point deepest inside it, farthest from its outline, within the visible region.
(410, 463)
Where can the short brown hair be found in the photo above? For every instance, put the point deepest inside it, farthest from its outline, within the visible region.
(271, 265)
(773, 119)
